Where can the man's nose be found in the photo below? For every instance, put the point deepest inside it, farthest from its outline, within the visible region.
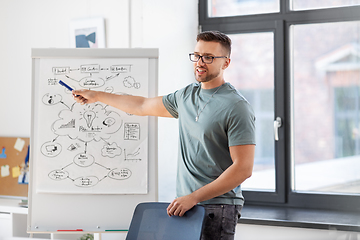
(201, 62)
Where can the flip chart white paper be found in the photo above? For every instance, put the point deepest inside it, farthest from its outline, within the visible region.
(92, 148)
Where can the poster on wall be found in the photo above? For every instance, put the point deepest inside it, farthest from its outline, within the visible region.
(87, 33)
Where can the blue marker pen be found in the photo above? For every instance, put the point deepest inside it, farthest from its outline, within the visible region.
(65, 85)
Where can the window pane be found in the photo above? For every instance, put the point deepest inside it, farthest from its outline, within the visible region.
(316, 4)
(224, 8)
(326, 98)
(252, 72)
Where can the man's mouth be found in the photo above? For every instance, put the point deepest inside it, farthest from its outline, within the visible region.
(200, 70)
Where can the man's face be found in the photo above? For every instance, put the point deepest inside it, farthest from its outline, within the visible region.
(208, 72)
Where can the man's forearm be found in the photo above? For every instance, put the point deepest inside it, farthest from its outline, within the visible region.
(223, 184)
(227, 181)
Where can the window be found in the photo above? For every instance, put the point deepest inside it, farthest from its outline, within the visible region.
(256, 82)
(298, 61)
(223, 8)
(311, 4)
(326, 107)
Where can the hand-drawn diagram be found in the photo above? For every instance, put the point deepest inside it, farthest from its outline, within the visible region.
(132, 131)
(91, 148)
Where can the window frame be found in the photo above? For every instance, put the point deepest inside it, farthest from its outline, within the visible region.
(280, 24)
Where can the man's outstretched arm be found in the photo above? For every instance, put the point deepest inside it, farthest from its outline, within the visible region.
(136, 105)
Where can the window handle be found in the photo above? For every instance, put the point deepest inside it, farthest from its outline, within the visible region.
(277, 125)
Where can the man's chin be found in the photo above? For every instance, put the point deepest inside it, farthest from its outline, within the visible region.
(200, 79)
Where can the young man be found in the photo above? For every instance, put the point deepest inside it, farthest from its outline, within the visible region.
(217, 136)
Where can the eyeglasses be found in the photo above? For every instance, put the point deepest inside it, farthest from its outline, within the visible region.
(206, 59)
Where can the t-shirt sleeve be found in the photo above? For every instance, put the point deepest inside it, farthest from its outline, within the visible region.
(241, 124)
(171, 104)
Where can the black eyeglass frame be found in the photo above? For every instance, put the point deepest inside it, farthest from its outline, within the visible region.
(202, 59)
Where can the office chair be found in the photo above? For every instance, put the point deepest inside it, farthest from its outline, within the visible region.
(151, 222)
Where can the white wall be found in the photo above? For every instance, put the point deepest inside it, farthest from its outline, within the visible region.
(42, 24)
(170, 26)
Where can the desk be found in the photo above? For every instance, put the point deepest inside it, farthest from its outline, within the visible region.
(13, 224)
(12, 219)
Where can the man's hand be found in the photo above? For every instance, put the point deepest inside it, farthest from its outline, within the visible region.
(85, 96)
(181, 205)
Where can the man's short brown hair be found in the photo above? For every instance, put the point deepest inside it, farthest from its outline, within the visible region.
(216, 36)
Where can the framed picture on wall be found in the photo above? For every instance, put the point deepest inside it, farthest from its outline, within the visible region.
(87, 33)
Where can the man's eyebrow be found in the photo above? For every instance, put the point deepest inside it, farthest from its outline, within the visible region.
(205, 54)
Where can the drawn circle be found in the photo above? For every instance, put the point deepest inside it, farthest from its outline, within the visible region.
(88, 181)
(58, 175)
(51, 149)
(137, 85)
(129, 82)
(51, 99)
(91, 82)
(84, 160)
(119, 174)
(109, 121)
(109, 89)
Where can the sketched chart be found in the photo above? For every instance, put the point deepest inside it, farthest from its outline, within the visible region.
(92, 148)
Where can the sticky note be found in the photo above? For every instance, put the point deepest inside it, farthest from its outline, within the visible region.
(26, 180)
(5, 171)
(16, 172)
(19, 144)
(21, 178)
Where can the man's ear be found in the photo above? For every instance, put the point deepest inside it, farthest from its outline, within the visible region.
(226, 64)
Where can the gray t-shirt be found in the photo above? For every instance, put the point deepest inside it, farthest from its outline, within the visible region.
(226, 120)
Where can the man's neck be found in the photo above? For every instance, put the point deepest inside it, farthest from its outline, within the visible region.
(212, 84)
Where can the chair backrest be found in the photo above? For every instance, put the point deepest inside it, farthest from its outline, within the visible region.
(151, 222)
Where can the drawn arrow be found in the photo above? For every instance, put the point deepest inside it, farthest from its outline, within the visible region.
(71, 179)
(111, 77)
(102, 178)
(103, 166)
(76, 69)
(105, 141)
(67, 166)
(71, 78)
(65, 105)
(104, 68)
(55, 138)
